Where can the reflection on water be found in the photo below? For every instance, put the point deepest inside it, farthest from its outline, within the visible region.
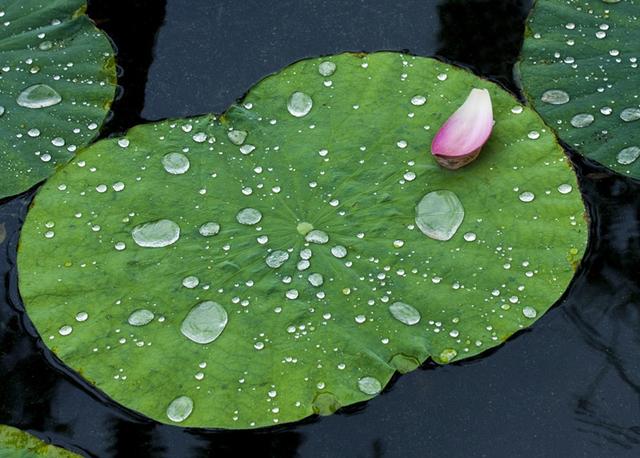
(569, 386)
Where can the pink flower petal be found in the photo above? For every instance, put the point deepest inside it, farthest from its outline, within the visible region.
(460, 139)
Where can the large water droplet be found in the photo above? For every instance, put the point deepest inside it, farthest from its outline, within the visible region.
(237, 137)
(141, 317)
(277, 258)
(555, 97)
(439, 214)
(156, 234)
(205, 322)
(405, 313)
(304, 228)
(299, 104)
(369, 385)
(582, 120)
(447, 355)
(630, 114)
(249, 216)
(628, 155)
(527, 196)
(529, 312)
(316, 279)
(176, 163)
(180, 409)
(418, 100)
(38, 96)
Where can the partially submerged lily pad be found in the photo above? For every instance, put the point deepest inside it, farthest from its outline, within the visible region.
(579, 69)
(297, 280)
(57, 81)
(18, 444)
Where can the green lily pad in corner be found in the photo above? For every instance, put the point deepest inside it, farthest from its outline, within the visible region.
(579, 69)
(57, 81)
(18, 444)
(258, 267)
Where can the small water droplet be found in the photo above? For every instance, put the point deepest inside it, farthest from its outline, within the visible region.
(447, 355)
(316, 236)
(316, 279)
(209, 229)
(470, 236)
(176, 163)
(369, 385)
(630, 114)
(418, 100)
(140, 317)
(439, 215)
(180, 409)
(38, 96)
(339, 251)
(205, 322)
(237, 137)
(299, 104)
(190, 282)
(628, 155)
(405, 313)
(326, 68)
(526, 196)
(249, 216)
(555, 97)
(582, 120)
(277, 258)
(565, 188)
(156, 234)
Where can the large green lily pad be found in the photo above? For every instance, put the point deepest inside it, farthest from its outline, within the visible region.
(275, 257)
(18, 444)
(57, 81)
(579, 69)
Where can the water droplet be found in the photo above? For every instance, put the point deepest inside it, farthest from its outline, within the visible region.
(409, 176)
(190, 282)
(470, 236)
(2, 110)
(299, 104)
(555, 97)
(316, 279)
(565, 188)
(176, 163)
(38, 96)
(304, 228)
(628, 155)
(317, 236)
(442, 76)
(58, 141)
(205, 322)
(526, 196)
(327, 68)
(292, 294)
(369, 385)
(180, 409)
(124, 143)
(249, 216)
(33, 133)
(533, 135)
(606, 111)
(277, 258)
(405, 313)
(209, 229)
(529, 312)
(339, 251)
(140, 317)
(237, 137)
(447, 355)
(418, 100)
(517, 109)
(247, 149)
(630, 114)
(65, 330)
(582, 120)
(82, 316)
(156, 234)
(439, 214)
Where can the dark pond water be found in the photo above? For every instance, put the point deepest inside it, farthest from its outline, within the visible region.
(569, 386)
